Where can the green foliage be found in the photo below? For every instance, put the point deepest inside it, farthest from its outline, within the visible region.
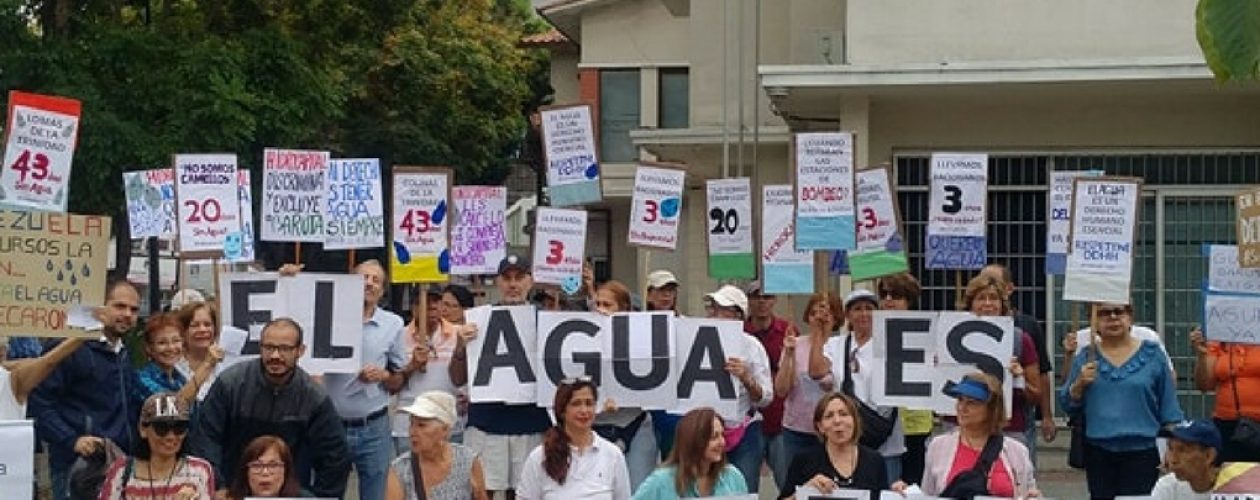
(1229, 35)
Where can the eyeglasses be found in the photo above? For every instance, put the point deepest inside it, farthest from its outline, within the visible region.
(282, 349)
(165, 428)
(580, 379)
(1115, 312)
(890, 295)
(269, 467)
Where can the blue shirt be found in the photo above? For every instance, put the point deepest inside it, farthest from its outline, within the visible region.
(1126, 405)
(25, 347)
(153, 380)
(660, 485)
(382, 347)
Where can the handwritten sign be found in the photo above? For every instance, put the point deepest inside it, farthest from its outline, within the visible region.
(478, 239)
(880, 250)
(559, 247)
(957, 212)
(1103, 231)
(41, 134)
(1248, 205)
(730, 229)
(1225, 275)
(354, 216)
(656, 206)
(293, 195)
(784, 269)
(568, 137)
(49, 264)
(1232, 318)
(150, 203)
(245, 196)
(207, 207)
(1059, 217)
(420, 251)
(17, 458)
(824, 191)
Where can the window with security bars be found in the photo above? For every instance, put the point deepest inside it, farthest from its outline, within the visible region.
(1187, 203)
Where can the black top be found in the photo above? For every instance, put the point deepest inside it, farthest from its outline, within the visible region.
(869, 474)
(1033, 327)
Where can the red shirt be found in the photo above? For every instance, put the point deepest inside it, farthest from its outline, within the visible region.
(1000, 484)
(772, 340)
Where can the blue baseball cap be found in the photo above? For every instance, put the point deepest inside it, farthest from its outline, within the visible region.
(1200, 432)
(969, 388)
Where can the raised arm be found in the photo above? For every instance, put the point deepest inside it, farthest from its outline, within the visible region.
(26, 375)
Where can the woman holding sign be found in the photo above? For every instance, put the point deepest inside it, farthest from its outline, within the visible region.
(801, 392)
(573, 461)
(631, 426)
(697, 464)
(985, 297)
(1233, 371)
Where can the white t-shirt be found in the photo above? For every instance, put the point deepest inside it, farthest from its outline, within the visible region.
(759, 363)
(1170, 488)
(597, 473)
(10, 408)
(864, 385)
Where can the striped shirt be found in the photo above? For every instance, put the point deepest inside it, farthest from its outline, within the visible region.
(192, 479)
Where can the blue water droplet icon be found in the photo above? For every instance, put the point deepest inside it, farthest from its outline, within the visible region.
(592, 171)
(401, 253)
(69, 265)
(669, 207)
(73, 280)
(894, 243)
(60, 276)
(87, 271)
(439, 213)
(49, 266)
(444, 262)
(571, 284)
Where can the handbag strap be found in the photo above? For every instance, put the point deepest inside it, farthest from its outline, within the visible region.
(419, 478)
(1233, 382)
(990, 454)
(846, 385)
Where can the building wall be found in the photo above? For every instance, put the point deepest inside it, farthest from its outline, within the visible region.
(633, 33)
(564, 76)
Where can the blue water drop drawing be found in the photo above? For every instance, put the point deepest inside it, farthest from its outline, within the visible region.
(87, 271)
(49, 266)
(444, 262)
(571, 284)
(69, 265)
(439, 213)
(73, 280)
(592, 171)
(401, 253)
(669, 207)
(60, 276)
(894, 243)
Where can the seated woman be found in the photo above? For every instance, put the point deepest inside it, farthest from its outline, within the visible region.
(265, 471)
(841, 462)
(158, 469)
(573, 461)
(976, 458)
(443, 470)
(696, 466)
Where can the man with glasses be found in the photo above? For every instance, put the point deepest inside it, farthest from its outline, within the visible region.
(274, 397)
(770, 330)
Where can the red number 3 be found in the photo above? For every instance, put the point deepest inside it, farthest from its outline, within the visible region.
(557, 252)
(652, 209)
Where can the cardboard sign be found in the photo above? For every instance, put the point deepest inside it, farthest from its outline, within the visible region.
(17, 458)
(730, 229)
(40, 136)
(957, 212)
(1248, 205)
(1102, 239)
(329, 308)
(354, 216)
(784, 269)
(824, 190)
(293, 195)
(656, 207)
(479, 238)
(879, 248)
(568, 135)
(150, 203)
(50, 263)
(559, 247)
(420, 252)
(1232, 318)
(206, 206)
(245, 195)
(1059, 217)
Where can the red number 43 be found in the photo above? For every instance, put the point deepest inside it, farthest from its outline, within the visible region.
(36, 167)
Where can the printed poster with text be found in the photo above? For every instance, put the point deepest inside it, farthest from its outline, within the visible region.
(880, 250)
(656, 207)
(730, 229)
(1231, 298)
(479, 238)
(245, 195)
(293, 195)
(40, 136)
(420, 249)
(206, 205)
(784, 269)
(1248, 206)
(150, 203)
(1102, 235)
(568, 136)
(51, 263)
(824, 191)
(957, 212)
(559, 247)
(354, 215)
(1060, 217)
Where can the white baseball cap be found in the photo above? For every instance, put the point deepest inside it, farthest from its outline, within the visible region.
(730, 296)
(660, 278)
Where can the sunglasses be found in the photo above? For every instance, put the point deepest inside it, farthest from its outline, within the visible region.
(1115, 312)
(165, 428)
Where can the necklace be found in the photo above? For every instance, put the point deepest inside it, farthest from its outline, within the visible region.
(152, 479)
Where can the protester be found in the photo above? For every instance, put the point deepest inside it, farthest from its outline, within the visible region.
(850, 360)
(984, 296)
(1233, 371)
(266, 470)
(448, 471)
(801, 392)
(91, 395)
(1125, 391)
(158, 469)
(975, 458)
(574, 461)
(186, 297)
(631, 428)
(900, 292)
(202, 354)
(662, 291)
(770, 330)
(501, 434)
(1041, 410)
(274, 397)
(21, 377)
(1194, 462)
(429, 366)
(164, 345)
(696, 466)
(841, 462)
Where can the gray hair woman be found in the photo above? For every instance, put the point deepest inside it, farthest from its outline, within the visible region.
(445, 471)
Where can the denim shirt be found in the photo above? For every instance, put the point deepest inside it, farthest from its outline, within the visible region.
(1126, 405)
(383, 347)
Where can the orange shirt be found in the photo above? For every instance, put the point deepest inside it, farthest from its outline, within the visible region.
(1246, 367)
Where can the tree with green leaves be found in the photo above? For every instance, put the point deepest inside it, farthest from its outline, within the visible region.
(1229, 35)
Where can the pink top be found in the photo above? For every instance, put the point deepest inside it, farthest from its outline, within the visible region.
(942, 463)
(999, 480)
(798, 407)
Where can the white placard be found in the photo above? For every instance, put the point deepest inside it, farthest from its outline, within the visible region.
(804, 492)
(824, 174)
(354, 215)
(245, 195)
(17, 458)
(502, 359)
(41, 135)
(479, 237)
(1232, 318)
(1225, 275)
(293, 195)
(150, 203)
(730, 220)
(570, 345)
(421, 223)
(957, 205)
(877, 212)
(573, 173)
(696, 338)
(1059, 217)
(206, 205)
(559, 247)
(642, 344)
(329, 308)
(656, 207)
(784, 268)
(1104, 225)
